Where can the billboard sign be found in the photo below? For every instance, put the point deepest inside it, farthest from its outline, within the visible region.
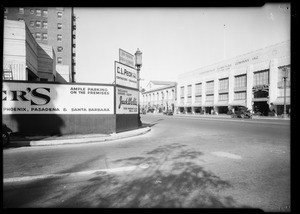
(126, 101)
(126, 58)
(36, 98)
(125, 75)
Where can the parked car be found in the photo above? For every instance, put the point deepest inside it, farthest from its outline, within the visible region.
(5, 135)
(143, 111)
(151, 110)
(168, 112)
(242, 112)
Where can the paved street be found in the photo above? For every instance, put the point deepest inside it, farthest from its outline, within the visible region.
(181, 162)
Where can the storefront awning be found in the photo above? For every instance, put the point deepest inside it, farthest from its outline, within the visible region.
(280, 101)
(221, 103)
(238, 103)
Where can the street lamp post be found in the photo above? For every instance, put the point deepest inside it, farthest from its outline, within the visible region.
(138, 64)
(285, 76)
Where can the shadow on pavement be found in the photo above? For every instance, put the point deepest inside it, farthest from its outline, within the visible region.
(174, 179)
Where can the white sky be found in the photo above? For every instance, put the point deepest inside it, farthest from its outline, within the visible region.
(172, 40)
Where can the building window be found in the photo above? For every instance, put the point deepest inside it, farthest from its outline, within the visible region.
(59, 37)
(261, 78)
(181, 100)
(182, 91)
(59, 49)
(31, 23)
(189, 99)
(59, 25)
(45, 36)
(45, 25)
(189, 90)
(198, 88)
(5, 17)
(31, 11)
(241, 95)
(38, 24)
(45, 13)
(20, 19)
(240, 81)
(59, 14)
(223, 96)
(210, 87)
(209, 98)
(21, 10)
(38, 36)
(224, 84)
(198, 98)
(59, 60)
(38, 12)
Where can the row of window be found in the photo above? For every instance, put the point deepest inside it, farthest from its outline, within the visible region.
(260, 78)
(44, 36)
(241, 95)
(40, 24)
(37, 12)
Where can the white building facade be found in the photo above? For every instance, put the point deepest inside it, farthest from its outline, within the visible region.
(254, 80)
(159, 96)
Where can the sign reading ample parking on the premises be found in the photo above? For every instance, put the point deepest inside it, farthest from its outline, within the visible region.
(35, 98)
(125, 75)
(126, 58)
(126, 101)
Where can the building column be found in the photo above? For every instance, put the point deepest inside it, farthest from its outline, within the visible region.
(249, 94)
(273, 74)
(231, 86)
(216, 88)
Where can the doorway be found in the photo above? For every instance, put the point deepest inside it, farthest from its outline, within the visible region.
(262, 107)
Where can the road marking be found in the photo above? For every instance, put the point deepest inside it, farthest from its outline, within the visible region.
(88, 172)
(226, 155)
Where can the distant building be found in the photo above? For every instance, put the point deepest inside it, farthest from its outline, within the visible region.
(25, 59)
(253, 80)
(53, 26)
(159, 96)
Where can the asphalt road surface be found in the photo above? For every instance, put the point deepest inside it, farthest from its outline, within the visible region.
(184, 162)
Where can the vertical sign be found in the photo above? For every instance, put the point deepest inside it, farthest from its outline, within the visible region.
(126, 58)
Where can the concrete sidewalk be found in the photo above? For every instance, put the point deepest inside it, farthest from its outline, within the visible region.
(16, 141)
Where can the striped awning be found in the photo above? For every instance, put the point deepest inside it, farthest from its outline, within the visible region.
(238, 103)
(280, 101)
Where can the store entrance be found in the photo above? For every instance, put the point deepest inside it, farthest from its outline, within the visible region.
(262, 107)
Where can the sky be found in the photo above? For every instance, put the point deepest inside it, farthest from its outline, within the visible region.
(172, 40)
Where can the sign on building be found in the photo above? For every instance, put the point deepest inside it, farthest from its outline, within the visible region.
(126, 101)
(126, 58)
(35, 98)
(125, 75)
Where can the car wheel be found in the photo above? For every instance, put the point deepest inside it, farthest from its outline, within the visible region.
(5, 139)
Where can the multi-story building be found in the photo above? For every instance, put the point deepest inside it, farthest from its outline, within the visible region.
(254, 80)
(54, 26)
(159, 96)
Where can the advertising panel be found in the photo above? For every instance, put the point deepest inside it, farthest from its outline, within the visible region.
(126, 58)
(125, 75)
(126, 101)
(35, 98)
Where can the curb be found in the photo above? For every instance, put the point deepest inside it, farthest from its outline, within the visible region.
(112, 137)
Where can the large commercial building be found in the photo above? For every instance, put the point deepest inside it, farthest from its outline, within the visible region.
(53, 26)
(159, 96)
(254, 80)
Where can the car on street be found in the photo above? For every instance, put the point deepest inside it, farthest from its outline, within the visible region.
(168, 112)
(5, 135)
(242, 112)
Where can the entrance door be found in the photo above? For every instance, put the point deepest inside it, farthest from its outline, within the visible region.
(262, 107)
